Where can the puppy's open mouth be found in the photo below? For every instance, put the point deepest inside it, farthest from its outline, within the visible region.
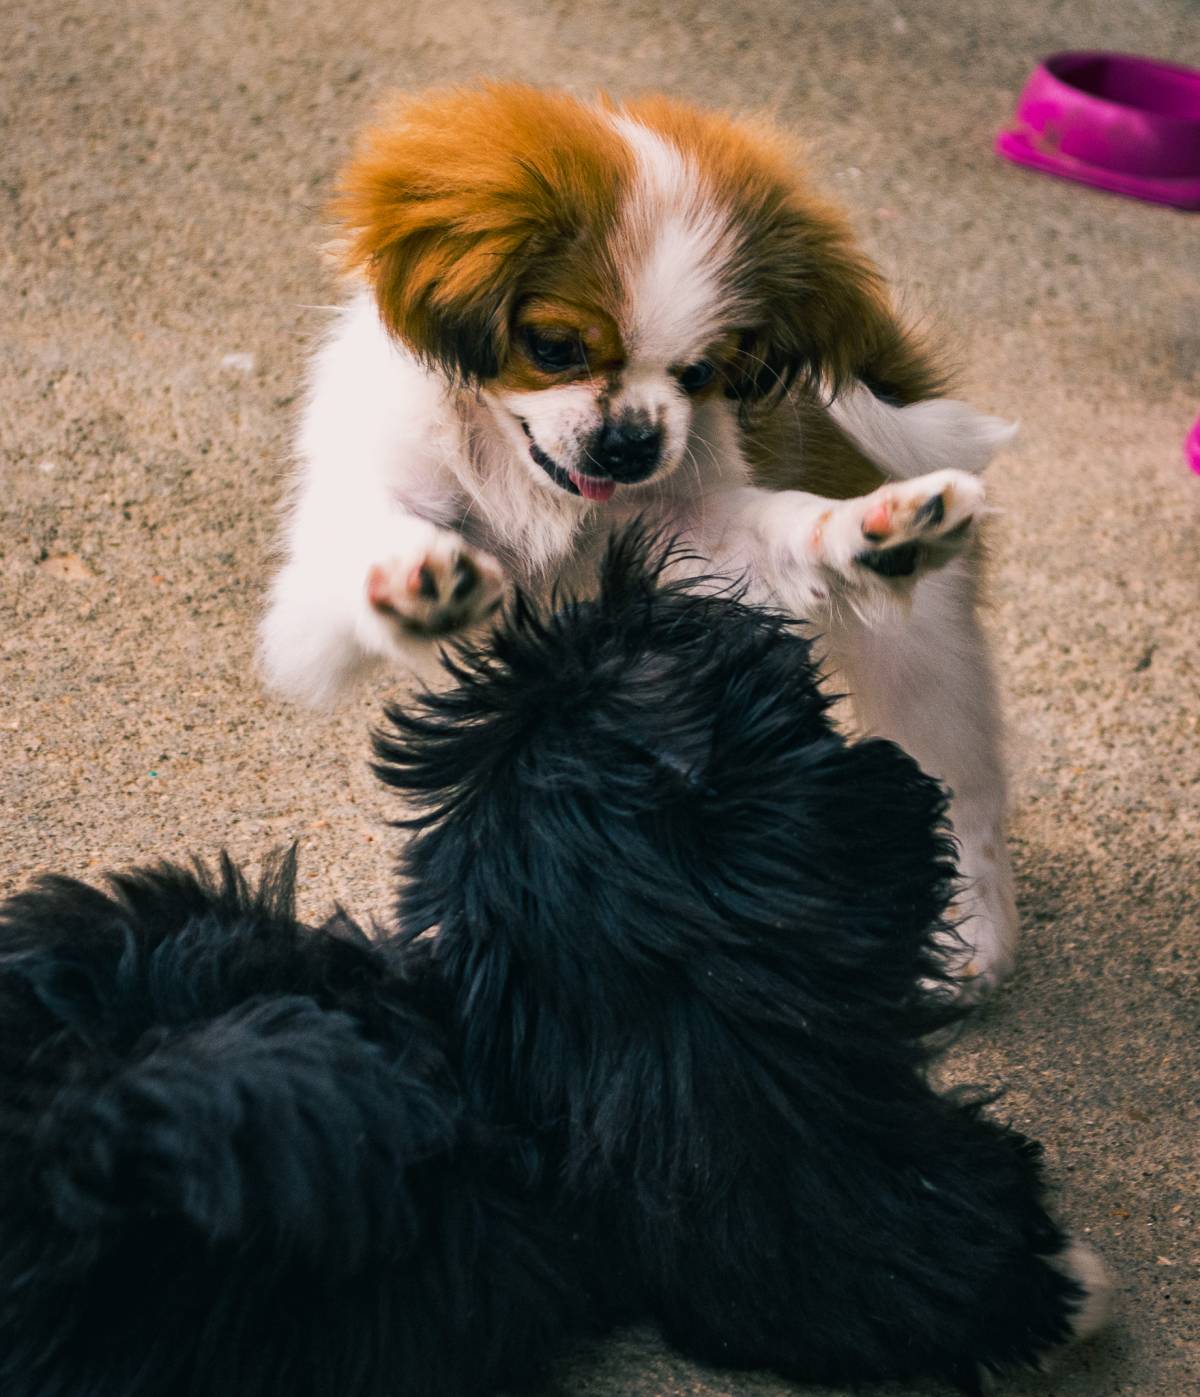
(591, 487)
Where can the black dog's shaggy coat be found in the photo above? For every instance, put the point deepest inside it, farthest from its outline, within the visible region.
(687, 932)
(234, 1162)
(663, 1057)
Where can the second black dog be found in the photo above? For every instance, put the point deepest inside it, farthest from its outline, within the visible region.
(234, 1162)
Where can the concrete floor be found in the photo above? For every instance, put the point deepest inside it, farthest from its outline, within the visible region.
(162, 171)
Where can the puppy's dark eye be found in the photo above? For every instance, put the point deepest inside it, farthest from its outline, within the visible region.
(552, 352)
(695, 376)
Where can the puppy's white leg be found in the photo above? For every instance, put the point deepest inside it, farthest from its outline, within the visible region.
(816, 556)
(924, 678)
(368, 573)
(381, 590)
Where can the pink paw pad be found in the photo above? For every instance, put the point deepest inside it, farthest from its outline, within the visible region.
(379, 588)
(877, 522)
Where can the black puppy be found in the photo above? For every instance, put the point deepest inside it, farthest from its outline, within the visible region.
(686, 935)
(234, 1162)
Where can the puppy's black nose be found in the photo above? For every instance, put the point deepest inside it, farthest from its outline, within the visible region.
(628, 449)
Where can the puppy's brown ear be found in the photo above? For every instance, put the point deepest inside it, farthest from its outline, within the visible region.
(816, 307)
(455, 196)
(827, 315)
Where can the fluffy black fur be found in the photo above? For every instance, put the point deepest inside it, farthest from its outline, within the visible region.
(686, 934)
(665, 1056)
(235, 1162)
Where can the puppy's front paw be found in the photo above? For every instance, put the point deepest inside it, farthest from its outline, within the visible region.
(916, 525)
(443, 586)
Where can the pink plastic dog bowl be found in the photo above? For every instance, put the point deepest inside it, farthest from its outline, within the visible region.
(1125, 124)
(1191, 447)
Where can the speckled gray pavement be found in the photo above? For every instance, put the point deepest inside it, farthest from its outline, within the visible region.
(162, 171)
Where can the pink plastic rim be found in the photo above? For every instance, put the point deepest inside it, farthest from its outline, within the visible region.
(1191, 447)
(1115, 121)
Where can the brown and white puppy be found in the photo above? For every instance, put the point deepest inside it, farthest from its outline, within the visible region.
(566, 314)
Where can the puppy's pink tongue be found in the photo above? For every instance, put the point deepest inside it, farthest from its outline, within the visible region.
(592, 487)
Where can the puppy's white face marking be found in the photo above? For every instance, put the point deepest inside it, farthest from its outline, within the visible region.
(674, 244)
(673, 247)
